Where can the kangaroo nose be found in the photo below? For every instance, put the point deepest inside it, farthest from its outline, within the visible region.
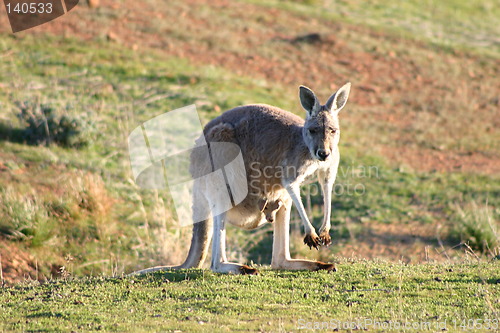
(322, 154)
(270, 219)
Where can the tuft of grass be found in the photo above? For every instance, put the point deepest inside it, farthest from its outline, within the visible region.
(22, 218)
(77, 220)
(81, 213)
(477, 226)
(46, 124)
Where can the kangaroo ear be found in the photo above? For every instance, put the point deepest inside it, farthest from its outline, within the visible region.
(262, 204)
(309, 101)
(338, 100)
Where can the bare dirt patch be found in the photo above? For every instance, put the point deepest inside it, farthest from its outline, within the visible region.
(442, 161)
(411, 244)
(17, 264)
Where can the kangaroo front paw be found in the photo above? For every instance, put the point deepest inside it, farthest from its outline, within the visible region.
(247, 270)
(325, 266)
(325, 239)
(312, 241)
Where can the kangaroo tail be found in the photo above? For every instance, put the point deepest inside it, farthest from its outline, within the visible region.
(202, 234)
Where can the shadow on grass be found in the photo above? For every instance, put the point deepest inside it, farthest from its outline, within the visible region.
(12, 134)
(45, 315)
(465, 281)
(173, 275)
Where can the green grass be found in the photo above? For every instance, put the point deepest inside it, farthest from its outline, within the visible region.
(197, 300)
(369, 188)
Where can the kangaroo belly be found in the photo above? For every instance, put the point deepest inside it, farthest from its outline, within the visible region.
(245, 219)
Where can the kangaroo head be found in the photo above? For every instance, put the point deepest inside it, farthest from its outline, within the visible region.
(270, 209)
(321, 130)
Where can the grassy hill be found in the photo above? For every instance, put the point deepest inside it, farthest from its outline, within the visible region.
(419, 181)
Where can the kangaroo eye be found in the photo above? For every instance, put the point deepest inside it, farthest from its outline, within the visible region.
(313, 131)
(333, 130)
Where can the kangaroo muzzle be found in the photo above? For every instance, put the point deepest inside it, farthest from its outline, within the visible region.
(322, 154)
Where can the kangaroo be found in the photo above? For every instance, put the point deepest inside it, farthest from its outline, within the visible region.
(271, 209)
(280, 150)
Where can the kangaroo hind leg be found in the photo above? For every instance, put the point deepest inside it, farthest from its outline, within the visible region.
(220, 263)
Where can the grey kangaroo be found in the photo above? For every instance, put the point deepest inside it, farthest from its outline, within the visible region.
(280, 150)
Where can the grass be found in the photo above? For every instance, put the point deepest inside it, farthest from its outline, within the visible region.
(197, 300)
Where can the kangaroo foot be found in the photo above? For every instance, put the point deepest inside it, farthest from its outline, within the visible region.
(247, 270)
(325, 267)
(233, 268)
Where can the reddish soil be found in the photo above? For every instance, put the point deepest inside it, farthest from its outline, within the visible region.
(16, 264)
(410, 244)
(444, 161)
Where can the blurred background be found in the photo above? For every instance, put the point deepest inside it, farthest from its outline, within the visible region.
(420, 174)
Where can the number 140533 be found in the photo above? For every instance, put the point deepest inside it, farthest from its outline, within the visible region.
(30, 8)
